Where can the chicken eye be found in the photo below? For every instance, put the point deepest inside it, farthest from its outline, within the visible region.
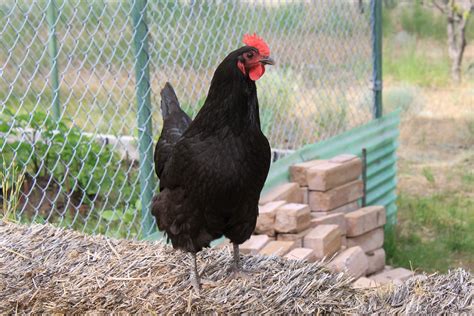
(249, 55)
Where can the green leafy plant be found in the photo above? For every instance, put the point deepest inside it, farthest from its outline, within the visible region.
(85, 170)
(120, 223)
(11, 180)
(44, 147)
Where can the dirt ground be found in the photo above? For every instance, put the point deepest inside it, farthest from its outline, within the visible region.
(437, 143)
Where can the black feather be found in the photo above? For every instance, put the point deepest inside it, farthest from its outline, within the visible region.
(211, 175)
(175, 123)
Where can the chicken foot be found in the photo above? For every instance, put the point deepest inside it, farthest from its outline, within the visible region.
(236, 269)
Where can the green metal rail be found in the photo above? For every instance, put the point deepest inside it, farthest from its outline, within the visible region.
(144, 123)
(376, 7)
(52, 17)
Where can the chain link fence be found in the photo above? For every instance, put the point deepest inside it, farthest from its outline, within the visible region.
(80, 84)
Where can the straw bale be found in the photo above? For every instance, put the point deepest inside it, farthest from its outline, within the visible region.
(44, 269)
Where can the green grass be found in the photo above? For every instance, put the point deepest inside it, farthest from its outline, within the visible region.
(468, 179)
(434, 233)
(428, 174)
(412, 66)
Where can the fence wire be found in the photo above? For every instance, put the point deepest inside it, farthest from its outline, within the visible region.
(68, 76)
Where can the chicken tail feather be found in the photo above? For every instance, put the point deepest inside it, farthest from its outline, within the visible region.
(169, 101)
(175, 123)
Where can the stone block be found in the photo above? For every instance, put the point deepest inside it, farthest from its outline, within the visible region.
(325, 240)
(254, 244)
(369, 241)
(292, 218)
(365, 220)
(344, 241)
(336, 197)
(364, 283)
(301, 254)
(296, 237)
(333, 173)
(298, 171)
(352, 261)
(304, 195)
(225, 244)
(266, 218)
(289, 192)
(397, 276)
(376, 261)
(347, 208)
(316, 214)
(343, 158)
(387, 267)
(335, 219)
(277, 248)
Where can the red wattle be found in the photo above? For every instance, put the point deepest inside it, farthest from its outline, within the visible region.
(256, 72)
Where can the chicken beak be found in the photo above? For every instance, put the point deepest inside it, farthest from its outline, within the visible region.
(267, 61)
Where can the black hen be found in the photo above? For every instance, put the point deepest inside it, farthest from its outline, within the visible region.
(213, 169)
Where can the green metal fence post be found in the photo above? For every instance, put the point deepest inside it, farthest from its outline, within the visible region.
(145, 141)
(376, 19)
(52, 17)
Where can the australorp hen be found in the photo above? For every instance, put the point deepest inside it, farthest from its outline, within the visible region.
(213, 169)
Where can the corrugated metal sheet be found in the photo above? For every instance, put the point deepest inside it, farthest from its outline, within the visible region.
(379, 137)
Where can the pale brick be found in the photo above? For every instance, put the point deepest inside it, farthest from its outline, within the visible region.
(297, 237)
(301, 254)
(352, 260)
(298, 171)
(331, 174)
(316, 214)
(277, 248)
(292, 218)
(336, 219)
(376, 261)
(289, 192)
(266, 218)
(364, 283)
(343, 241)
(365, 219)
(387, 268)
(298, 242)
(223, 245)
(343, 158)
(369, 241)
(304, 195)
(396, 276)
(254, 244)
(326, 201)
(325, 240)
(347, 208)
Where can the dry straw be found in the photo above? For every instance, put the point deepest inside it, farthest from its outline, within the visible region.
(44, 269)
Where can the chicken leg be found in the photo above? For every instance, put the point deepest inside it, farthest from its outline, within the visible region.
(195, 278)
(236, 269)
(236, 263)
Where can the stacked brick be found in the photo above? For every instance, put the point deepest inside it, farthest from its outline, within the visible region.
(317, 216)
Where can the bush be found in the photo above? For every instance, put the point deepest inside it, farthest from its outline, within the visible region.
(423, 22)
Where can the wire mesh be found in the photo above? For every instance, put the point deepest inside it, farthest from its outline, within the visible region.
(68, 116)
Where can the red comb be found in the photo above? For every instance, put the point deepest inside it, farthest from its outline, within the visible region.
(258, 43)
